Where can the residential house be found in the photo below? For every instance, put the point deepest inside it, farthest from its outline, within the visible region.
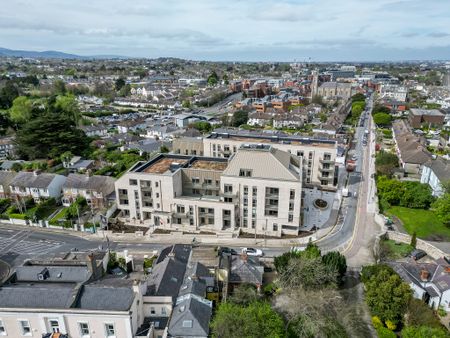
(37, 185)
(245, 269)
(70, 296)
(77, 164)
(6, 178)
(95, 130)
(430, 282)
(6, 147)
(434, 173)
(95, 189)
(410, 151)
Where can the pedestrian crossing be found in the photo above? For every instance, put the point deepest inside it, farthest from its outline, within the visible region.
(21, 245)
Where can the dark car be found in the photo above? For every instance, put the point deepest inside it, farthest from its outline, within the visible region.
(417, 254)
(227, 251)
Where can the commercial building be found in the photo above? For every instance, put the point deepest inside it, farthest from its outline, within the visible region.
(335, 89)
(419, 117)
(319, 167)
(257, 190)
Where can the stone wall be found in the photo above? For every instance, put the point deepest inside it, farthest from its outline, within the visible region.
(431, 250)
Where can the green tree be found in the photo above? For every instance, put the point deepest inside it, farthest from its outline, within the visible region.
(239, 117)
(414, 239)
(20, 111)
(59, 87)
(48, 136)
(7, 94)
(382, 119)
(164, 149)
(225, 79)
(244, 294)
(256, 320)
(202, 126)
(424, 332)
(335, 261)
(441, 208)
(387, 296)
(358, 97)
(386, 163)
(119, 83)
(378, 108)
(213, 78)
(317, 99)
(186, 104)
(67, 105)
(419, 313)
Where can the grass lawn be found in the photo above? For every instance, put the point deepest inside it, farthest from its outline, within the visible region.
(423, 222)
(395, 250)
(61, 214)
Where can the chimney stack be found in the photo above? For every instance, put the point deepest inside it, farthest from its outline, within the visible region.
(424, 274)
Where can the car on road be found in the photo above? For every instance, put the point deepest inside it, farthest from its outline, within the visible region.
(227, 251)
(417, 254)
(252, 252)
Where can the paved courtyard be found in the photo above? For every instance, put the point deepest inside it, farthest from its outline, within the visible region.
(315, 217)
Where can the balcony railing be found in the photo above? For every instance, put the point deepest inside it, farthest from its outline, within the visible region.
(323, 161)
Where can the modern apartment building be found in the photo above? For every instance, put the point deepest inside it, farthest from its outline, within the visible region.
(257, 190)
(319, 155)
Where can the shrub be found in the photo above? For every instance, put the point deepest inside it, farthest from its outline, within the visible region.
(391, 325)
(376, 321)
(384, 332)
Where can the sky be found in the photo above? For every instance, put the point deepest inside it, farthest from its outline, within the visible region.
(232, 30)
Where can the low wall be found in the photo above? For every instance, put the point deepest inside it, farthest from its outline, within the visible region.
(431, 250)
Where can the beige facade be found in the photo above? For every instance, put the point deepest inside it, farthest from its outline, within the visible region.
(258, 190)
(319, 156)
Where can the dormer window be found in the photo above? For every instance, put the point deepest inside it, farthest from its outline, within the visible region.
(245, 173)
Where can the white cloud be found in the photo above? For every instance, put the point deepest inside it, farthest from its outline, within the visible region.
(233, 29)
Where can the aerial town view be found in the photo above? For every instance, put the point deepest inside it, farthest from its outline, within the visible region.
(228, 169)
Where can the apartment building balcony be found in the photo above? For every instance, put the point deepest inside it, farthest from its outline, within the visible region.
(177, 214)
(323, 161)
(326, 178)
(206, 214)
(210, 186)
(327, 170)
(228, 194)
(271, 207)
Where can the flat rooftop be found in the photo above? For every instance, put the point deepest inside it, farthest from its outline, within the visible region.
(164, 164)
(209, 165)
(280, 139)
(429, 112)
(169, 163)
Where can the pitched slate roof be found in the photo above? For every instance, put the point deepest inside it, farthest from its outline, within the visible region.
(96, 182)
(245, 270)
(60, 274)
(6, 177)
(440, 167)
(190, 317)
(26, 179)
(268, 163)
(107, 298)
(42, 296)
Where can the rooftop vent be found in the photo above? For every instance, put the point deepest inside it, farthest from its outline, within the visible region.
(43, 275)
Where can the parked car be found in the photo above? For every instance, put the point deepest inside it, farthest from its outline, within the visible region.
(417, 254)
(252, 252)
(227, 251)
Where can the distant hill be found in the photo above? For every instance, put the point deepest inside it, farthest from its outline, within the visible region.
(51, 54)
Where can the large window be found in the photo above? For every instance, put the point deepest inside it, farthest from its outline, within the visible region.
(84, 329)
(187, 323)
(25, 327)
(110, 330)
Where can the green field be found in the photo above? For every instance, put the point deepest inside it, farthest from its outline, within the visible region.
(423, 222)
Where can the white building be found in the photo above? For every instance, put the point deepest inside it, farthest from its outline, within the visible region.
(258, 190)
(434, 173)
(319, 154)
(430, 282)
(37, 185)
